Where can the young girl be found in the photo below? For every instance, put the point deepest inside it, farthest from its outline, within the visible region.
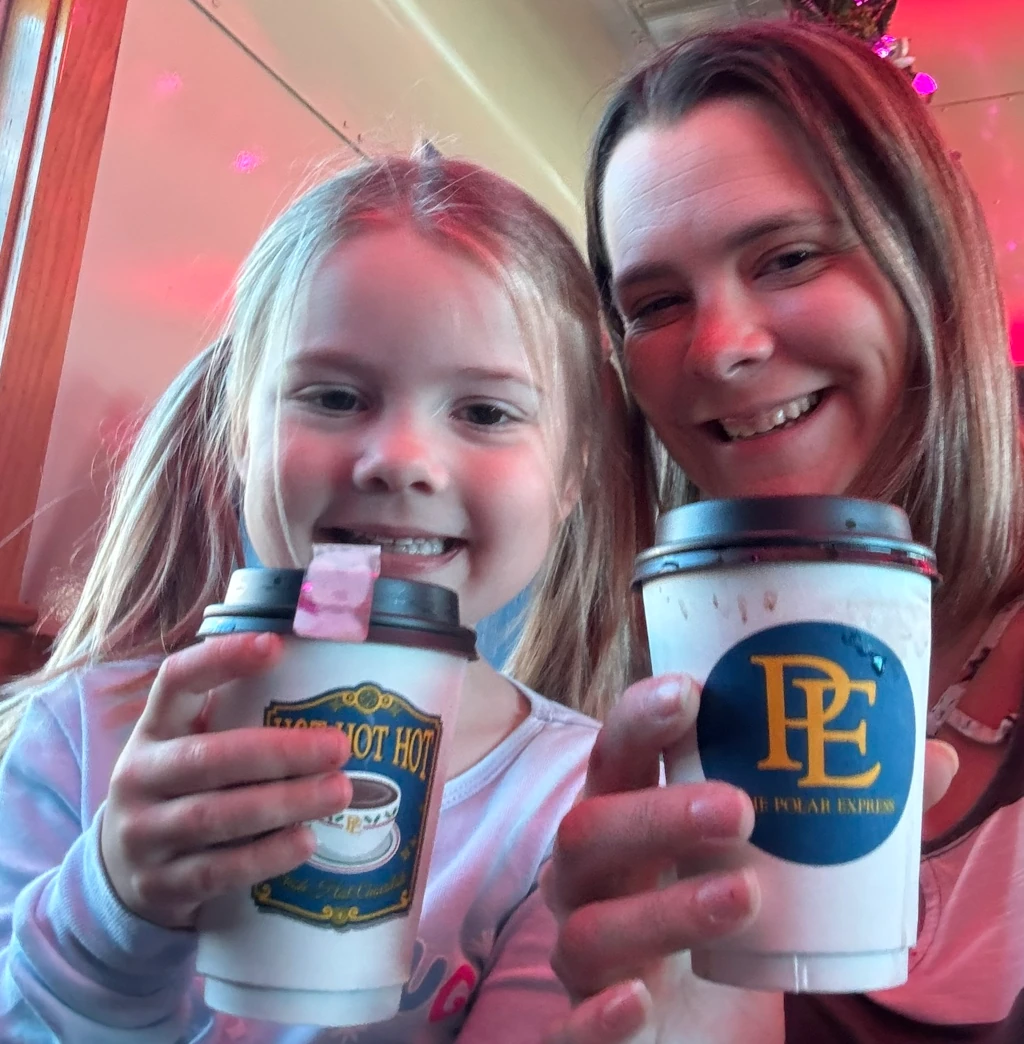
(800, 283)
(413, 361)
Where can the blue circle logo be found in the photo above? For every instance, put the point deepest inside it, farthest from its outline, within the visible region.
(815, 721)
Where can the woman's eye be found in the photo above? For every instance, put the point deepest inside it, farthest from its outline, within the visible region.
(654, 313)
(793, 259)
(790, 260)
(485, 414)
(656, 305)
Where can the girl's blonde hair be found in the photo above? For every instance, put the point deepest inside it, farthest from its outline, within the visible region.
(954, 460)
(172, 532)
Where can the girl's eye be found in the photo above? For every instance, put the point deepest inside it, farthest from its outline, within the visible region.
(486, 414)
(336, 400)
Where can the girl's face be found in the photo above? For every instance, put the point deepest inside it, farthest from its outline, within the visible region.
(411, 418)
(762, 342)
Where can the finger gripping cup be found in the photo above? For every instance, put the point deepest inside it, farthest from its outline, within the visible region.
(330, 943)
(807, 620)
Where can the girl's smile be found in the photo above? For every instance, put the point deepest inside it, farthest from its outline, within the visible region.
(404, 551)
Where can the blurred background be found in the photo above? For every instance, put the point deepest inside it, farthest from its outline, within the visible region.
(219, 110)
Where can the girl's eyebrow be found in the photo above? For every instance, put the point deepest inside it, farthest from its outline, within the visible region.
(483, 373)
(325, 357)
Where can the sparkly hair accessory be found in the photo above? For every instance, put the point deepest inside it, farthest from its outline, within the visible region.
(868, 20)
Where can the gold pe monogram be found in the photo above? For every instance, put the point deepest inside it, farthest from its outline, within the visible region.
(819, 714)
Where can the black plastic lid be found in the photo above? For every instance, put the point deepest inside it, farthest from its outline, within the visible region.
(793, 528)
(404, 612)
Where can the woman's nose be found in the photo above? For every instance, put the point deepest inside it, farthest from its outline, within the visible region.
(729, 340)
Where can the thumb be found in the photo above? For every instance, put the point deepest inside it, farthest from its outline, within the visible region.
(941, 762)
(651, 716)
(179, 694)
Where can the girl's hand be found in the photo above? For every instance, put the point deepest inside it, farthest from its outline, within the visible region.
(618, 928)
(191, 815)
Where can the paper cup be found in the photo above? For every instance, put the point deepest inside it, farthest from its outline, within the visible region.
(330, 943)
(808, 622)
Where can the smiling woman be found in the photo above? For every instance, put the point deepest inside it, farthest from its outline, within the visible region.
(759, 335)
(799, 283)
(818, 214)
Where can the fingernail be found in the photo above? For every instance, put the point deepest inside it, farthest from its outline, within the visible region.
(716, 818)
(336, 749)
(263, 642)
(951, 756)
(673, 696)
(724, 901)
(623, 1012)
(334, 784)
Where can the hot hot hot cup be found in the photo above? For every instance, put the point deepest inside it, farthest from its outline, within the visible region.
(331, 942)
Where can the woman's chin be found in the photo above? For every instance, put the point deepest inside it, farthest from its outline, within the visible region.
(783, 485)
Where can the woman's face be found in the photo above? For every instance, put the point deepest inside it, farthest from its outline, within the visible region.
(762, 342)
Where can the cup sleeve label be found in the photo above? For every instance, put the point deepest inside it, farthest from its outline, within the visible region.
(816, 722)
(368, 856)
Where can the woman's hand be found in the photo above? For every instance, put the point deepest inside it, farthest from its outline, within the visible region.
(191, 815)
(617, 926)
(626, 832)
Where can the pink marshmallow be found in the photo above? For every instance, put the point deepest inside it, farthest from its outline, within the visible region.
(337, 593)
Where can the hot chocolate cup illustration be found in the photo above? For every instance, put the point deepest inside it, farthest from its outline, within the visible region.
(358, 834)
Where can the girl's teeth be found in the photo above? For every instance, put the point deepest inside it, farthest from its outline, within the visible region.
(401, 545)
(769, 420)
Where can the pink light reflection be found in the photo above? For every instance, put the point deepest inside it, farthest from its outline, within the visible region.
(247, 161)
(1017, 339)
(168, 83)
(925, 84)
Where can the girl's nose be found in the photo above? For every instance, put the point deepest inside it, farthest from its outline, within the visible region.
(398, 457)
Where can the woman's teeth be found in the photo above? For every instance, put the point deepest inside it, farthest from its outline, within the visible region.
(400, 545)
(769, 420)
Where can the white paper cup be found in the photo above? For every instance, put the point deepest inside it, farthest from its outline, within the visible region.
(331, 943)
(808, 622)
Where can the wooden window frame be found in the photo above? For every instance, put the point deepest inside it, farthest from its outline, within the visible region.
(57, 64)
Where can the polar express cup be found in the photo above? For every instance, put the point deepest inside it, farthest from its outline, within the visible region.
(331, 942)
(807, 620)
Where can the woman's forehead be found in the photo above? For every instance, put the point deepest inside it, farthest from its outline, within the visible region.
(726, 164)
